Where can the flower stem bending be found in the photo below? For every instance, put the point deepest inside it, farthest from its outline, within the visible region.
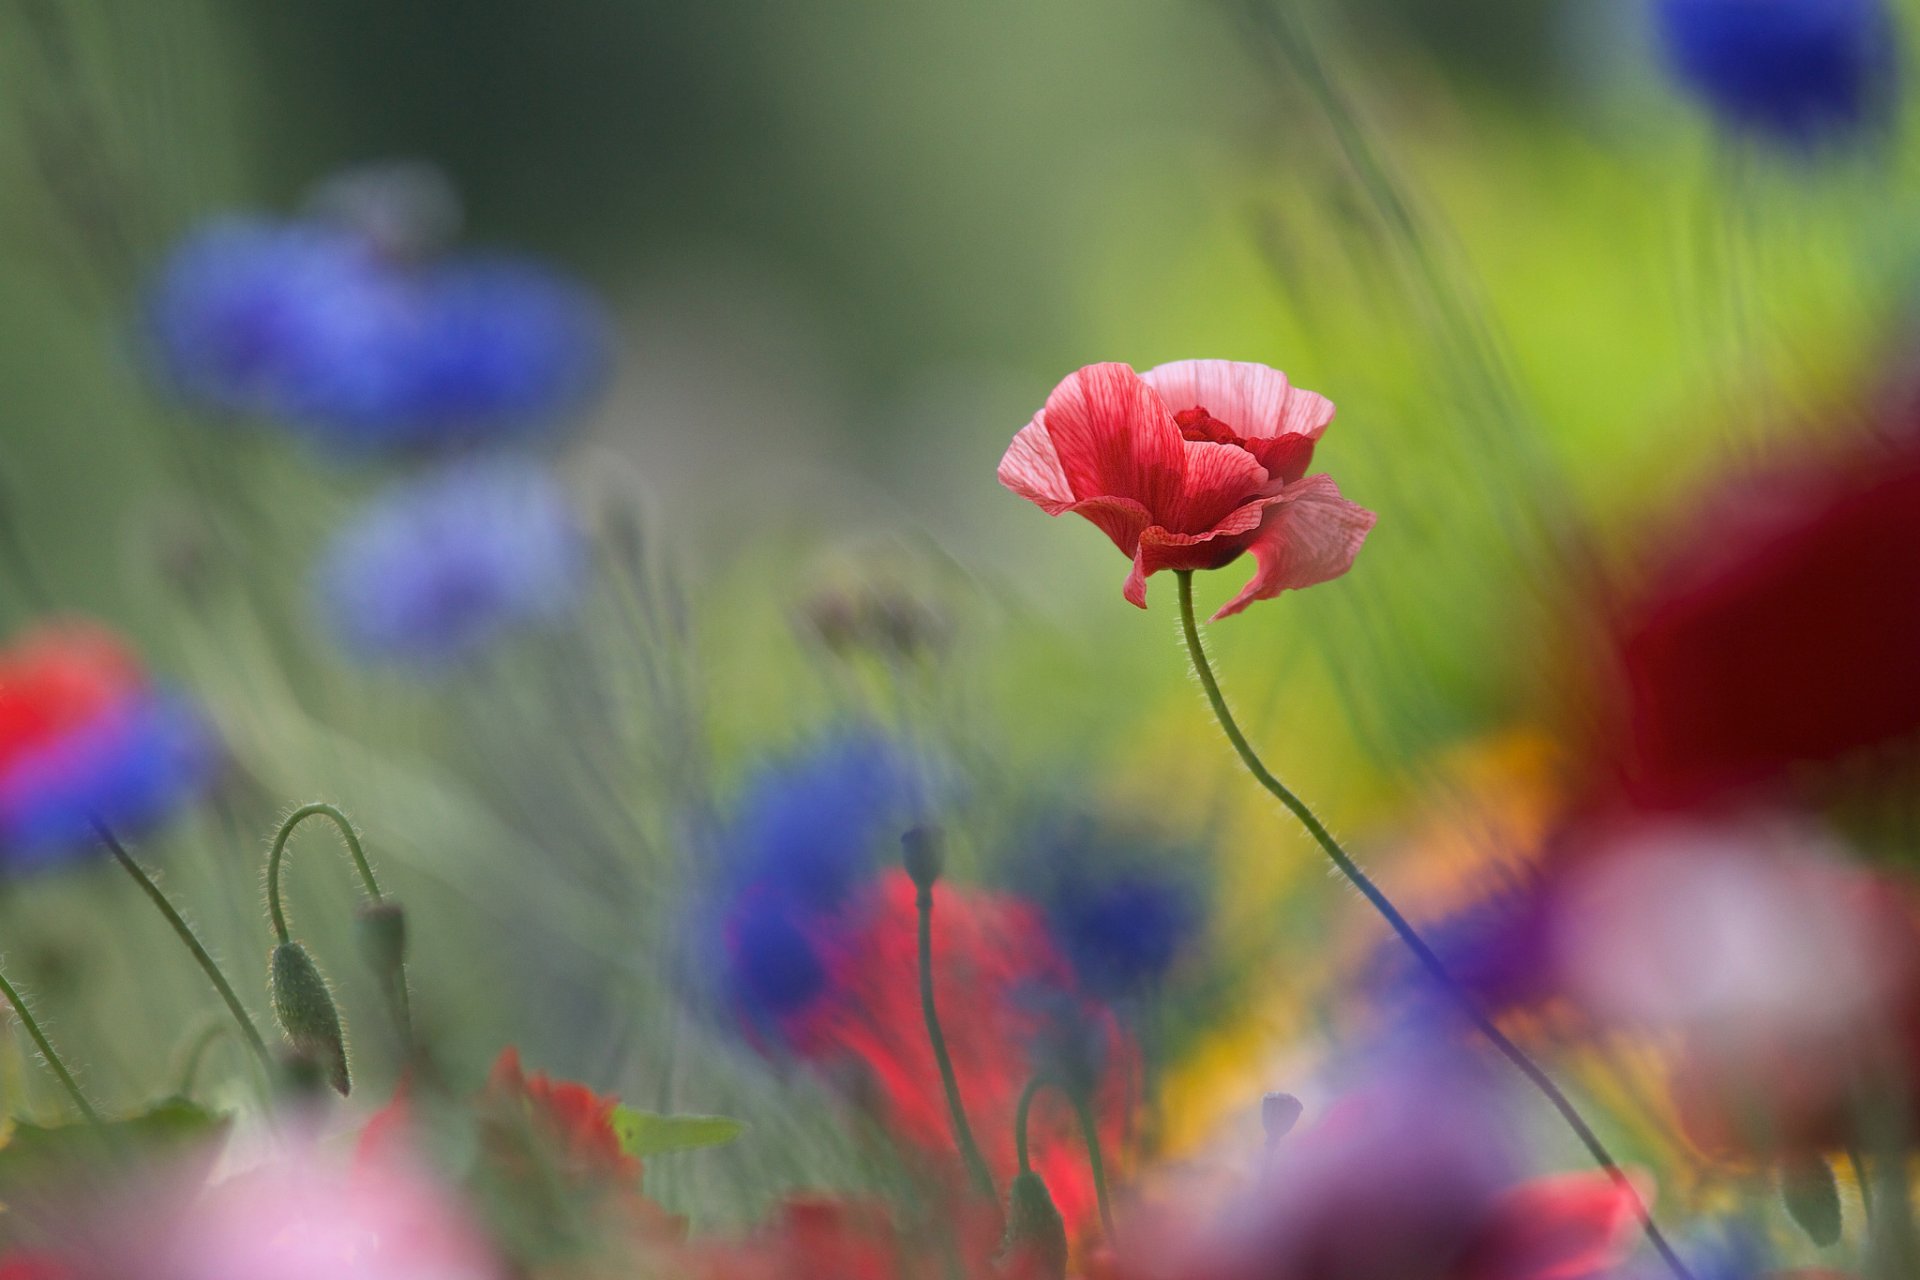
(1089, 1131)
(962, 1132)
(45, 1046)
(191, 941)
(1428, 959)
(278, 854)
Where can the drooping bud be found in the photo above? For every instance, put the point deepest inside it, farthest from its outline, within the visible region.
(920, 854)
(1035, 1247)
(306, 1012)
(381, 929)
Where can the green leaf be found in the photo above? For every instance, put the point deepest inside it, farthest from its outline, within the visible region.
(648, 1133)
(1813, 1198)
(41, 1155)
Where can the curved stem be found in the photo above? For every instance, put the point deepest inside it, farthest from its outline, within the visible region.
(278, 854)
(47, 1053)
(1089, 1133)
(962, 1133)
(1428, 959)
(196, 1055)
(1034, 1086)
(191, 941)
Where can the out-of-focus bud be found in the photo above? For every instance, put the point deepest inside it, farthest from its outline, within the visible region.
(304, 1006)
(381, 929)
(1813, 1198)
(884, 619)
(921, 855)
(1279, 1112)
(1036, 1242)
(406, 209)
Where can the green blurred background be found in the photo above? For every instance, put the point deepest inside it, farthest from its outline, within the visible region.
(850, 247)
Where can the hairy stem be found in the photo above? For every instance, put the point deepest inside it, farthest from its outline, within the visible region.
(1425, 954)
(277, 855)
(191, 941)
(47, 1053)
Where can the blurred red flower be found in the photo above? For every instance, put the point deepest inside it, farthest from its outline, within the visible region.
(1188, 466)
(1009, 1009)
(1780, 630)
(58, 678)
(573, 1124)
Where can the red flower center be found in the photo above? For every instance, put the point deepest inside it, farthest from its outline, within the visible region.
(1197, 424)
(1285, 456)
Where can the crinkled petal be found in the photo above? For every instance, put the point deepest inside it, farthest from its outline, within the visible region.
(1161, 548)
(1309, 535)
(1220, 479)
(1114, 438)
(1031, 468)
(1254, 400)
(1121, 519)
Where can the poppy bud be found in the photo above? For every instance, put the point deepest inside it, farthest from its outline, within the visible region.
(1036, 1243)
(306, 1012)
(381, 930)
(920, 854)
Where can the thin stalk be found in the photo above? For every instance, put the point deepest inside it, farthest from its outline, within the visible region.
(47, 1053)
(191, 941)
(1090, 1133)
(962, 1132)
(278, 854)
(1425, 954)
(1034, 1086)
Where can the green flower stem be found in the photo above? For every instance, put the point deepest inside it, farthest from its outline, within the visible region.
(192, 943)
(1034, 1086)
(962, 1132)
(1096, 1162)
(47, 1053)
(1429, 961)
(1089, 1132)
(278, 854)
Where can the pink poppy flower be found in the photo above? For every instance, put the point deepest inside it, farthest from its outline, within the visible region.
(1189, 465)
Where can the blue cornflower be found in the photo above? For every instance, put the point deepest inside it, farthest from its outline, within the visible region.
(808, 834)
(127, 769)
(1122, 909)
(314, 326)
(1799, 72)
(435, 568)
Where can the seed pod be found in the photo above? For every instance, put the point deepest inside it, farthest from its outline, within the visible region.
(305, 1009)
(920, 854)
(1036, 1242)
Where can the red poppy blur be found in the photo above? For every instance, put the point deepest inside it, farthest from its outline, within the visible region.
(1779, 632)
(574, 1124)
(1188, 466)
(1002, 990)
(56, 679)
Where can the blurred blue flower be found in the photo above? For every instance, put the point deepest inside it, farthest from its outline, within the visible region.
(1122, 909)
(1798, 72)
(127, 769)
(309, 324)
(809, 832)
(435, 568)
